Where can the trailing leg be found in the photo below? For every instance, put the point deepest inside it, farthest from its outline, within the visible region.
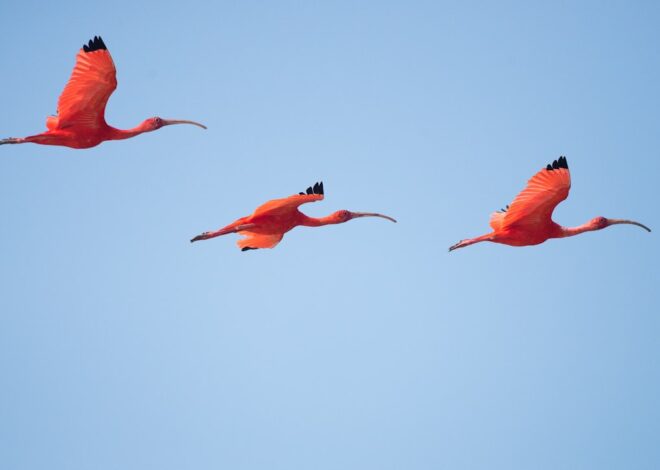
(471, 241)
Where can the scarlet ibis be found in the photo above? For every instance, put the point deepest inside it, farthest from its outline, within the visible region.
(528, 220)
(80, 121)
(270, 221)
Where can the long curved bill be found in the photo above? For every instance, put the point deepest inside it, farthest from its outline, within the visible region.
(169, 122)
(625, 221)
(372, 214)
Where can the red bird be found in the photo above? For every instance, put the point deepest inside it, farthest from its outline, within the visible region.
(528, 221)
(80, 121)
(270, 221)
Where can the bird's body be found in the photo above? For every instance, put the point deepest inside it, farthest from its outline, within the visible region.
(270, 221)
(80, 121)
(528, 220)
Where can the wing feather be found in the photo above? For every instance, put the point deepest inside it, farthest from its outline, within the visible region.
(287, 204)
(254, 241)
(290, 204)
(535, 204)
(83, 101)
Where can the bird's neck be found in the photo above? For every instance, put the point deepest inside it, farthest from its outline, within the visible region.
(318, 221)
(120, 134)
(571, 231)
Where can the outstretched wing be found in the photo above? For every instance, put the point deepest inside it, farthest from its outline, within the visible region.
(82, 103)
(535, 204)
(290, 204)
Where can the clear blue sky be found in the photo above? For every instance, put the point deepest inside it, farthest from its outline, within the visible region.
(359, 346)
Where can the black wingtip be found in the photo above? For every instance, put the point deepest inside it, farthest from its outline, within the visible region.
(246, 248)
(561, 162)
(95, 44)
(316, 189)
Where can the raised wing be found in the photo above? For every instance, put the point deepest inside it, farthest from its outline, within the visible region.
(291, 203)
(535, 204)
(82, 103)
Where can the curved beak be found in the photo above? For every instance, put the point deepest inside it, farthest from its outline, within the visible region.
(169, 122)
(624, 221)
(372, 214)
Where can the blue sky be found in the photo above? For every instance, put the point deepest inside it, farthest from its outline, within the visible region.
(363, 345)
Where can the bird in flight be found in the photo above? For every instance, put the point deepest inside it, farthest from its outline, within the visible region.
(270, 221)
(528, 220)
(80, 121)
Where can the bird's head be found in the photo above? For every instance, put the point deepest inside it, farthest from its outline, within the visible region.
(342, 216)
(156, 123)
(601, 222)
(598, 222)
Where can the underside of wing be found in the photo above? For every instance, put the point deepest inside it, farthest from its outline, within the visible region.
(535, 204)
(290, 204)
(254, 241)
(83, 101)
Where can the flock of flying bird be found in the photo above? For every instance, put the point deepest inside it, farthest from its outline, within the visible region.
(80, 123)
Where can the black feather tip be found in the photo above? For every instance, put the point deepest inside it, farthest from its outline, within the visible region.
(246, 248)
(557, 164)
(316, 189)
(95, 44)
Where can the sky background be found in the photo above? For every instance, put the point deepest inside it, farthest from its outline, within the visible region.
(357, 346)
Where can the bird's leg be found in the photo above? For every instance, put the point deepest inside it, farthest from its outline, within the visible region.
(458, 245)
(223, 231)
(470, 241)
(11, 140)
